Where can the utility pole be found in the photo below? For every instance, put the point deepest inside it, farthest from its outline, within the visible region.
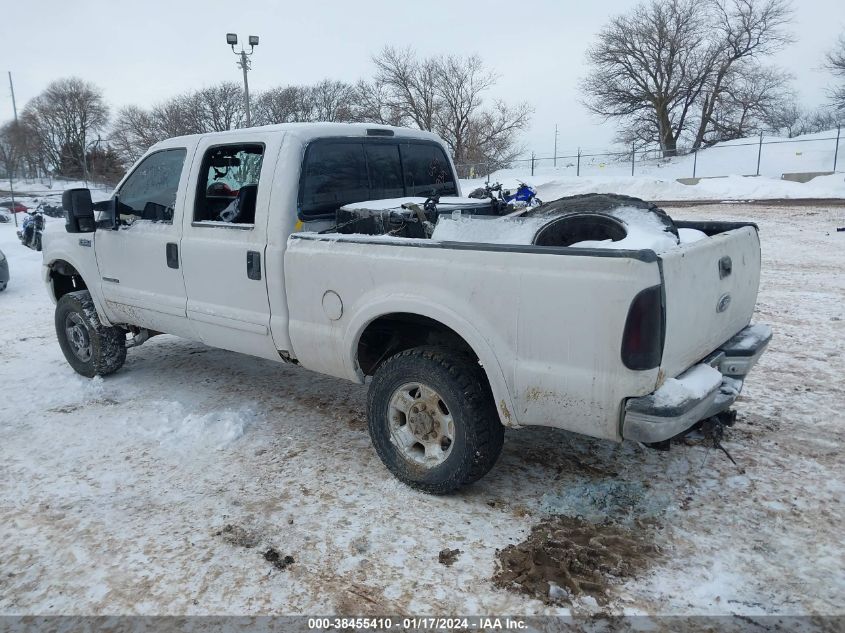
(11, 172)
(555, 159)
(244, 64)
(12, 89)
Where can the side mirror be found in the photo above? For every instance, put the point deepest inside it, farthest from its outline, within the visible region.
(79, 211)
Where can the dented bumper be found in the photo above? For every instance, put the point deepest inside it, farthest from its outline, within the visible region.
(662, 415)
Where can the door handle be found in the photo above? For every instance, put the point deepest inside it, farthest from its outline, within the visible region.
(172, 253)
(253, 265)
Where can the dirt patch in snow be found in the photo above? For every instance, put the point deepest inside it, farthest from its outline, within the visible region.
(237, 535)
(565, 558)
(278, 561)
(448, 556)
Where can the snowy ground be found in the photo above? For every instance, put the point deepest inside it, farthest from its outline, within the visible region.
(116, 494)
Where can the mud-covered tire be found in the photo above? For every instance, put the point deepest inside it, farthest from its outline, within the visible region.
(460, 382)
(90, 347)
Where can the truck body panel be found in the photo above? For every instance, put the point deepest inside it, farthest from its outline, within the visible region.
(547, 324)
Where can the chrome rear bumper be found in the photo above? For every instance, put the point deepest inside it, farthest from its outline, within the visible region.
(646, 419)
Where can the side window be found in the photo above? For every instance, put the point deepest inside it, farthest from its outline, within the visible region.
(385, 171)
(426, 170)
(150, 191)
(228, 184)
(334, 174)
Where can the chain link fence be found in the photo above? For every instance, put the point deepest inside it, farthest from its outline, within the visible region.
(763, 156)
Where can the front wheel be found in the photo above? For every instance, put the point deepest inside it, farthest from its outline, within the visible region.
(90, 347)
(432, 419)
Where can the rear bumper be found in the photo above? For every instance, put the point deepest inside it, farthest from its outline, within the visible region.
(654, 418)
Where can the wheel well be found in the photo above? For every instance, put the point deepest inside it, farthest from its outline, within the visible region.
(65, 278)
(394, 333)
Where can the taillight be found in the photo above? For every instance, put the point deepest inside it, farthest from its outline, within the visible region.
(642, 341)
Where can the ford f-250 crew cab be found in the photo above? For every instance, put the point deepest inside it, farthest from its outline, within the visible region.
(221, 238)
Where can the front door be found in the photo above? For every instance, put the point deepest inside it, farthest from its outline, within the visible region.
(140, 264)
(225, 235)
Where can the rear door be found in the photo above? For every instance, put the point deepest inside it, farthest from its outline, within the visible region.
(711, 290)
(225, 236)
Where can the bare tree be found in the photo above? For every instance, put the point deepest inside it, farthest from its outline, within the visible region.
(664, 68)
(132, 132)
(835, 63)
(66, 118)
(649, 68)
(745, 30)
(446, 95)
(373, 103)
(459, 85)
(288, 104)
(410, 82)
(11, 148)
(750, 93)
(217, 108)
(332, 101)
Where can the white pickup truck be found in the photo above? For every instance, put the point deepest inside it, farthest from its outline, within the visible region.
(226, 239)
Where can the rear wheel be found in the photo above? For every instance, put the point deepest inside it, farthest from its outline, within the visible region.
(90, 347)
(432, 419)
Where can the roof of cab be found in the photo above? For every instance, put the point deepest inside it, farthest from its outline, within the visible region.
(309, 131)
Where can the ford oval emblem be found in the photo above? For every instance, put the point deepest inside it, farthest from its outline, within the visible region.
(724, 302)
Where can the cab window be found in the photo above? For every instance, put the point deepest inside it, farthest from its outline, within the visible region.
(228, 184)
(336, 172)
(426, 170)
(149, 192)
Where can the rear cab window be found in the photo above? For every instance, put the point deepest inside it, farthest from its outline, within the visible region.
(340, 171)
(228, 185)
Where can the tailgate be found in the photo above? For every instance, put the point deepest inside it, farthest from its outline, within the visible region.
(711, 289)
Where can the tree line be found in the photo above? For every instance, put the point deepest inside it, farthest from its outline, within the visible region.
(680, 74)
(695, 72)
(69, 130)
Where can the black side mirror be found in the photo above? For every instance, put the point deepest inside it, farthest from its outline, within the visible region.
(79, 211)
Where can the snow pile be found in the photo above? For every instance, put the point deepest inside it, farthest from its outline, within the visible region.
(487, 230)
(191, 431)
(645, 231)
(694, 384)
(751, 337)
(688, 236)
(725, 169)
(550, 186)
(396, 203)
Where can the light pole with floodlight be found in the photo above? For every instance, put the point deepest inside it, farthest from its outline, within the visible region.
(244, 64)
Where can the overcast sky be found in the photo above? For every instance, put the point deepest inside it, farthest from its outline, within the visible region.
(144, 52)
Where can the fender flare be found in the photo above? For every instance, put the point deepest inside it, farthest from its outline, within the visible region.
(93, 289)
(420, 306)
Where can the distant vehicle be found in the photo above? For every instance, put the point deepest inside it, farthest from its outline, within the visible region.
(4, 271)
(14, 207)
(52, 211)
(32, 230)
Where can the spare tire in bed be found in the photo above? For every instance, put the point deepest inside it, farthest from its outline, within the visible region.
(589, 217)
